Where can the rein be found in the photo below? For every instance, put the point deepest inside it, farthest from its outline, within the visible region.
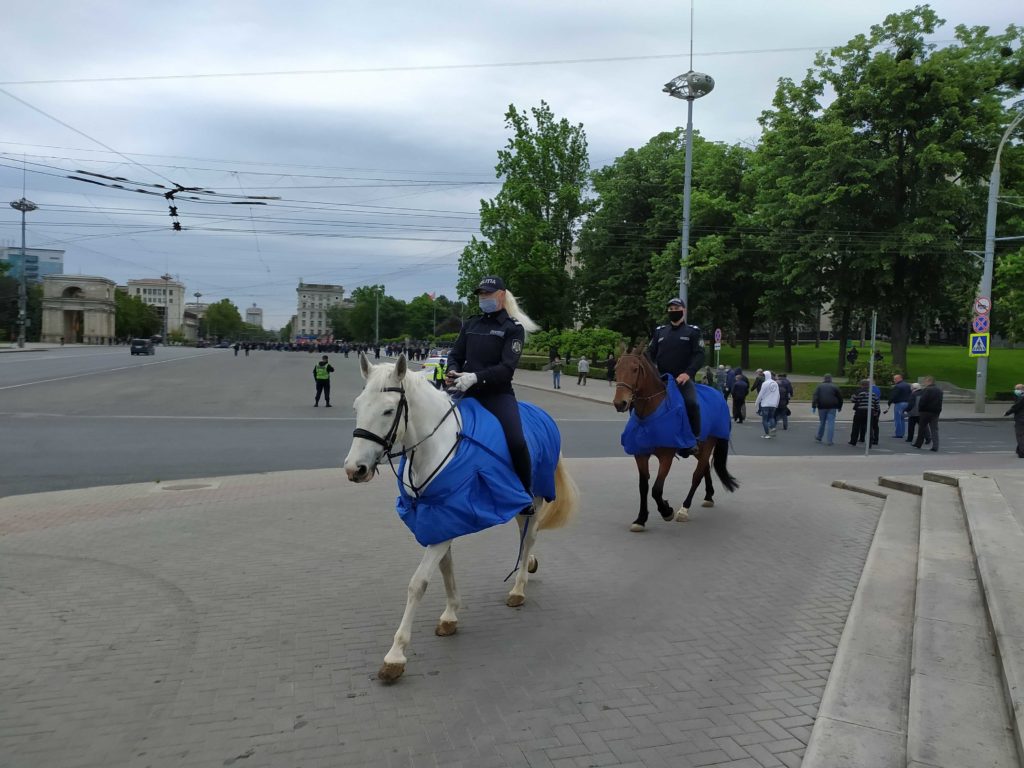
(388, 441)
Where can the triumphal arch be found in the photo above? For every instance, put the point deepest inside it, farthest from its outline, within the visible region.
(78, 309)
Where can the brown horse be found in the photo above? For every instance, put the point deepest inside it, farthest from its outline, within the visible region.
(638, 387)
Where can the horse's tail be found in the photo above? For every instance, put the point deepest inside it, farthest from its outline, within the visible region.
(558, 513)
(720, 459)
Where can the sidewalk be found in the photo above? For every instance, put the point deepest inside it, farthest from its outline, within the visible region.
(598, 390)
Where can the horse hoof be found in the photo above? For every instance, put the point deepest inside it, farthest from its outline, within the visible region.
(532, 564)
(514, 601)
(446, 628)
(390, 672)
(708, 503)
(683, 515)
(636, 528)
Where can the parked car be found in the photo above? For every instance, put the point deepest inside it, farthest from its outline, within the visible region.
(223, 345)
(142, 347)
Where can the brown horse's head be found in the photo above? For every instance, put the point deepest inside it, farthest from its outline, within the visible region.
(635, 379)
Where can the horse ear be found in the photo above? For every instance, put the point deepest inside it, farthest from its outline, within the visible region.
(365, 366)
(401, 367)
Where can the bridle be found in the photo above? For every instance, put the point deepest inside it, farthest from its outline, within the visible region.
(633, 396)
(387, 442)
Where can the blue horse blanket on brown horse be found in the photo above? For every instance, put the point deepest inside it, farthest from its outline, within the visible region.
(669, 427)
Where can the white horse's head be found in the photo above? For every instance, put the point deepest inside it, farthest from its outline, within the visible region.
(382, 414)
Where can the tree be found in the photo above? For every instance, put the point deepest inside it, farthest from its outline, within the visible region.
(370, 302)
(921, 127)
(134, 318)
(529, 228)
(223, 319)
(1009, 287)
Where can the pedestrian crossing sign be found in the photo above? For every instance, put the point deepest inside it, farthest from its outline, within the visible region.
(979, 345)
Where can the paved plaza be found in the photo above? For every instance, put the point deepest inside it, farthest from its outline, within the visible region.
(240, 620)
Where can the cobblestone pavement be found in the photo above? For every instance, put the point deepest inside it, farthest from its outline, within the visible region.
(240, 621)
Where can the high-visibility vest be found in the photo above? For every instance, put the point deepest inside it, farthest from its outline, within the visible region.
(439, 372)
(321, 372)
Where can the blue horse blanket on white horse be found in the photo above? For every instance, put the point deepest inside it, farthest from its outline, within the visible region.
(669, 427)
(479, 488)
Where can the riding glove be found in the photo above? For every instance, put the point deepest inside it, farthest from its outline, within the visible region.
(465, 381)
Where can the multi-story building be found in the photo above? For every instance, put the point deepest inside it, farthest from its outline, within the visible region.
(254, 316)
(38, 263)
(167, 296)
(314, 300)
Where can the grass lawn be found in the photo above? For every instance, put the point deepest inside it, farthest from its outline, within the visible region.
(952, 364)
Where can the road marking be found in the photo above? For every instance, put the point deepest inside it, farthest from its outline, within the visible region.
(36, 358)
(108, 370)
(14, 415)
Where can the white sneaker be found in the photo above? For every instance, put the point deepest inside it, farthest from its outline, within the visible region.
(767, 437)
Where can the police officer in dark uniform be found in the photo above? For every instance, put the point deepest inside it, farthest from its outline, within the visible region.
(678, 349)
(481, 365)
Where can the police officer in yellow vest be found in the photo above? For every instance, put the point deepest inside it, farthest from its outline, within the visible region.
(322, 376)
(438, 375)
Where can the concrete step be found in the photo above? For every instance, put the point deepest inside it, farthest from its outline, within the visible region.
(862, 720)
(957, 711)
(997, 540)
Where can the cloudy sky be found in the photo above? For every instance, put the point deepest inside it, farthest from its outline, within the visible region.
(378, 129)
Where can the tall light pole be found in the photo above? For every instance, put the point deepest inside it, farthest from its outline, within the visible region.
(990, 250)
(376, 313)
(25, 206)
(688, 86)
(167, 307)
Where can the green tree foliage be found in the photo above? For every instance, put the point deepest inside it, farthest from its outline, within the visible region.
(529, 228)
(223, 320)
(134, 318)
(918, 125)
(1009, 290)
(362, 319)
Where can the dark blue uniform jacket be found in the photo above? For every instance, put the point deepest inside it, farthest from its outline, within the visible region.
(489, 346)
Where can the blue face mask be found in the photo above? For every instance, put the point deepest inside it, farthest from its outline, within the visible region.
(488, 305)
(1018, 392)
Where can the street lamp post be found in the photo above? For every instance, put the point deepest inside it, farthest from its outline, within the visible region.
(25, 206)
(167, 305)
(990, 250)
(688, 86)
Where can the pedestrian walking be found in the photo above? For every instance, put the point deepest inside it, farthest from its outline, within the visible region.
(865, 406)
(721, 375)
(582, 369)
(912, 411)
(322, 376)
(930, 406)
(1017, 411)
(899, 400)
(827, 400)
(609, 366)
(237, 347)
(556, 371)
(766, 403)
(782, 413)
(758, 380)
(740, 388)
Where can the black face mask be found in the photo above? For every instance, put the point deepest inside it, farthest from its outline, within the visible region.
(675, 317)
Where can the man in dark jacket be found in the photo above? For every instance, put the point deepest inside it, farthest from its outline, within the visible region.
(785, 395)
(827, 400)
(1017, 411)
(899, 399)
(913, 414)
(930, 406)
(740, 388)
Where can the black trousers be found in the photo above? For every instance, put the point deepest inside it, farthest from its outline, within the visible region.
(1019, 431)
(860, 427)
(737, 408)
(323, 386)
(689, 392)
(506, 410)
(911, 428)
(928, 427)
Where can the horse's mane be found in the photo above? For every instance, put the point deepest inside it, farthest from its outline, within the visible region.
(515, 311)
(383, 373)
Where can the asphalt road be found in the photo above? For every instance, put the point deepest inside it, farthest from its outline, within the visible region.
(80, 417)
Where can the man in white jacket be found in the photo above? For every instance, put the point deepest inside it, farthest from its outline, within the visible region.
(766, 403)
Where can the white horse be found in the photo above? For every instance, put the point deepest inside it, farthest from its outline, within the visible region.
(399, 414)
